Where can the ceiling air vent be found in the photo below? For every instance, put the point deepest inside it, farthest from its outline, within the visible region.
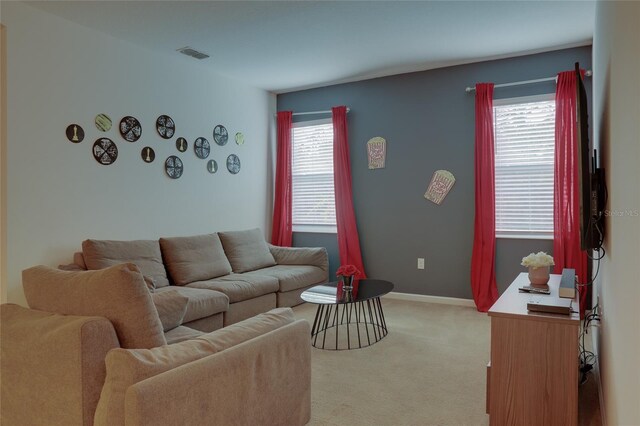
(193, 53)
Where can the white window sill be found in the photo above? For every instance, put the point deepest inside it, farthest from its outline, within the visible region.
(523, 237)
(318, 229)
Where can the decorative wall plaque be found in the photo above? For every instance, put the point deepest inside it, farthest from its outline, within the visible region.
(377, 152)
(130, 128)
(440, 185)
(233, 164)
(202, 148)
(165, 126)
(239, 138)
(148, 154)
(181, 144)
(75, 133)
(105, 151)
(173, 166)
(103, 122)
(220, 135)
(212, 166)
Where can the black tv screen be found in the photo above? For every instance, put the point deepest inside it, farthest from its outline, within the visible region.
(584, 164)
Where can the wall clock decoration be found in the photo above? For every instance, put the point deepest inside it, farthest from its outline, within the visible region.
(148, 154)
(105, 151)
(377, 152)
(202, 148)
(181, 144)
(233, 164)
(103, 122)
(220, 135)
(75, 133)
(173, 166)
(239, 138)
(130, 128)
(165, 126)
(212, 166)
(440, 185)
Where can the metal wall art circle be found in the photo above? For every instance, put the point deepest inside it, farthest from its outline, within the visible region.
(173, 166)
(181, 144)
(202, 148)
(130, 128)
(105, 151)
(212, 166)
(75, 133)
(103, 122)
(148, 154)
(220, 135)
(165, 126)
(233, 164)
(239, 138)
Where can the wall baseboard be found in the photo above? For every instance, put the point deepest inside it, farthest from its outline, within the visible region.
(430, 299)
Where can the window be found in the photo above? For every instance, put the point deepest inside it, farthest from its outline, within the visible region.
(524, 154)
(312, 177)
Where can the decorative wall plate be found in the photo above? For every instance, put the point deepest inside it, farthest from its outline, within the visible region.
(440, 185)
(202, 148)
(377, 152)
(220, 135)
(103, 122)
(212, 166)
(181, 144)
(75, 133)
(165, 126)
(130, 128)
(105, 151)
(233, 164)
(148, 154)
(239, 138)
(173, 166)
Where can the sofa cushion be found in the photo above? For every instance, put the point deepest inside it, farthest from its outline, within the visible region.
(180, 334)
(117, 293)
(292, 277)
(196, 258)
(246, 250)
(201, 303)
(171, 307)
(127, 367)
(239, 287)
(100, 254)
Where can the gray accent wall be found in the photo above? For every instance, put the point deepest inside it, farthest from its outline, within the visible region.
(428, 121)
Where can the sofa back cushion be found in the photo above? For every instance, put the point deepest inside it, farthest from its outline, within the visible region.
(117, 293)
(196, 258)
(171, 307)
(127, 367)
(100, 254)
(246, 250)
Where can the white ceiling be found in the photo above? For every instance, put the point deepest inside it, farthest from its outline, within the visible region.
(282, 46)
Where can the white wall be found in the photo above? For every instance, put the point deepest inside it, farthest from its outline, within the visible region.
(616, 93)
(61, 73)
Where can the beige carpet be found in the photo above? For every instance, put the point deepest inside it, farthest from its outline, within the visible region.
(429, 370)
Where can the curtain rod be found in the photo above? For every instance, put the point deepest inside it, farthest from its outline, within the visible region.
(314, 112)
(587, 73)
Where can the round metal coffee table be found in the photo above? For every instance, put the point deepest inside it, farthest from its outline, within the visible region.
(342, 316)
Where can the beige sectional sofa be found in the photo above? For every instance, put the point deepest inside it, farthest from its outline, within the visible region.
(226, 276)
(92, 350)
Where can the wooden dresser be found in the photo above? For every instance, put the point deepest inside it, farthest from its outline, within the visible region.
(532, 378)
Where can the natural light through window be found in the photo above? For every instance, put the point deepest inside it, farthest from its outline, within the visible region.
(312, 177)
(524, 162)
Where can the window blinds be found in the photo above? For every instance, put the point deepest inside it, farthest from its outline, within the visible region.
(312, 177)
(524, 155)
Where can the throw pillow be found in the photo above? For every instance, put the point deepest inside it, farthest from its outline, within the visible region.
(117, 293)
(246, 250)
(196, 258)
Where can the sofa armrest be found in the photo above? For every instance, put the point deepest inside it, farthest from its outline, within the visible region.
(265, 380)
(44, 353)
(315, 256)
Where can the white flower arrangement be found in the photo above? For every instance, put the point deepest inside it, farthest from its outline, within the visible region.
(537, 260)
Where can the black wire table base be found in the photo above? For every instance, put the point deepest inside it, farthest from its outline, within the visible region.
(337, 326)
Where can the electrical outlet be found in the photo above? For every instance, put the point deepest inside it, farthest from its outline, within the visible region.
(421, 263)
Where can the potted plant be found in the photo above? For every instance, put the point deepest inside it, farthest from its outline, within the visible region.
(538, 264)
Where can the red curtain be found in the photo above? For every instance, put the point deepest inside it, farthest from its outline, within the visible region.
(483, 270)
(281, 230)
(348, 240)
(566, 191)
